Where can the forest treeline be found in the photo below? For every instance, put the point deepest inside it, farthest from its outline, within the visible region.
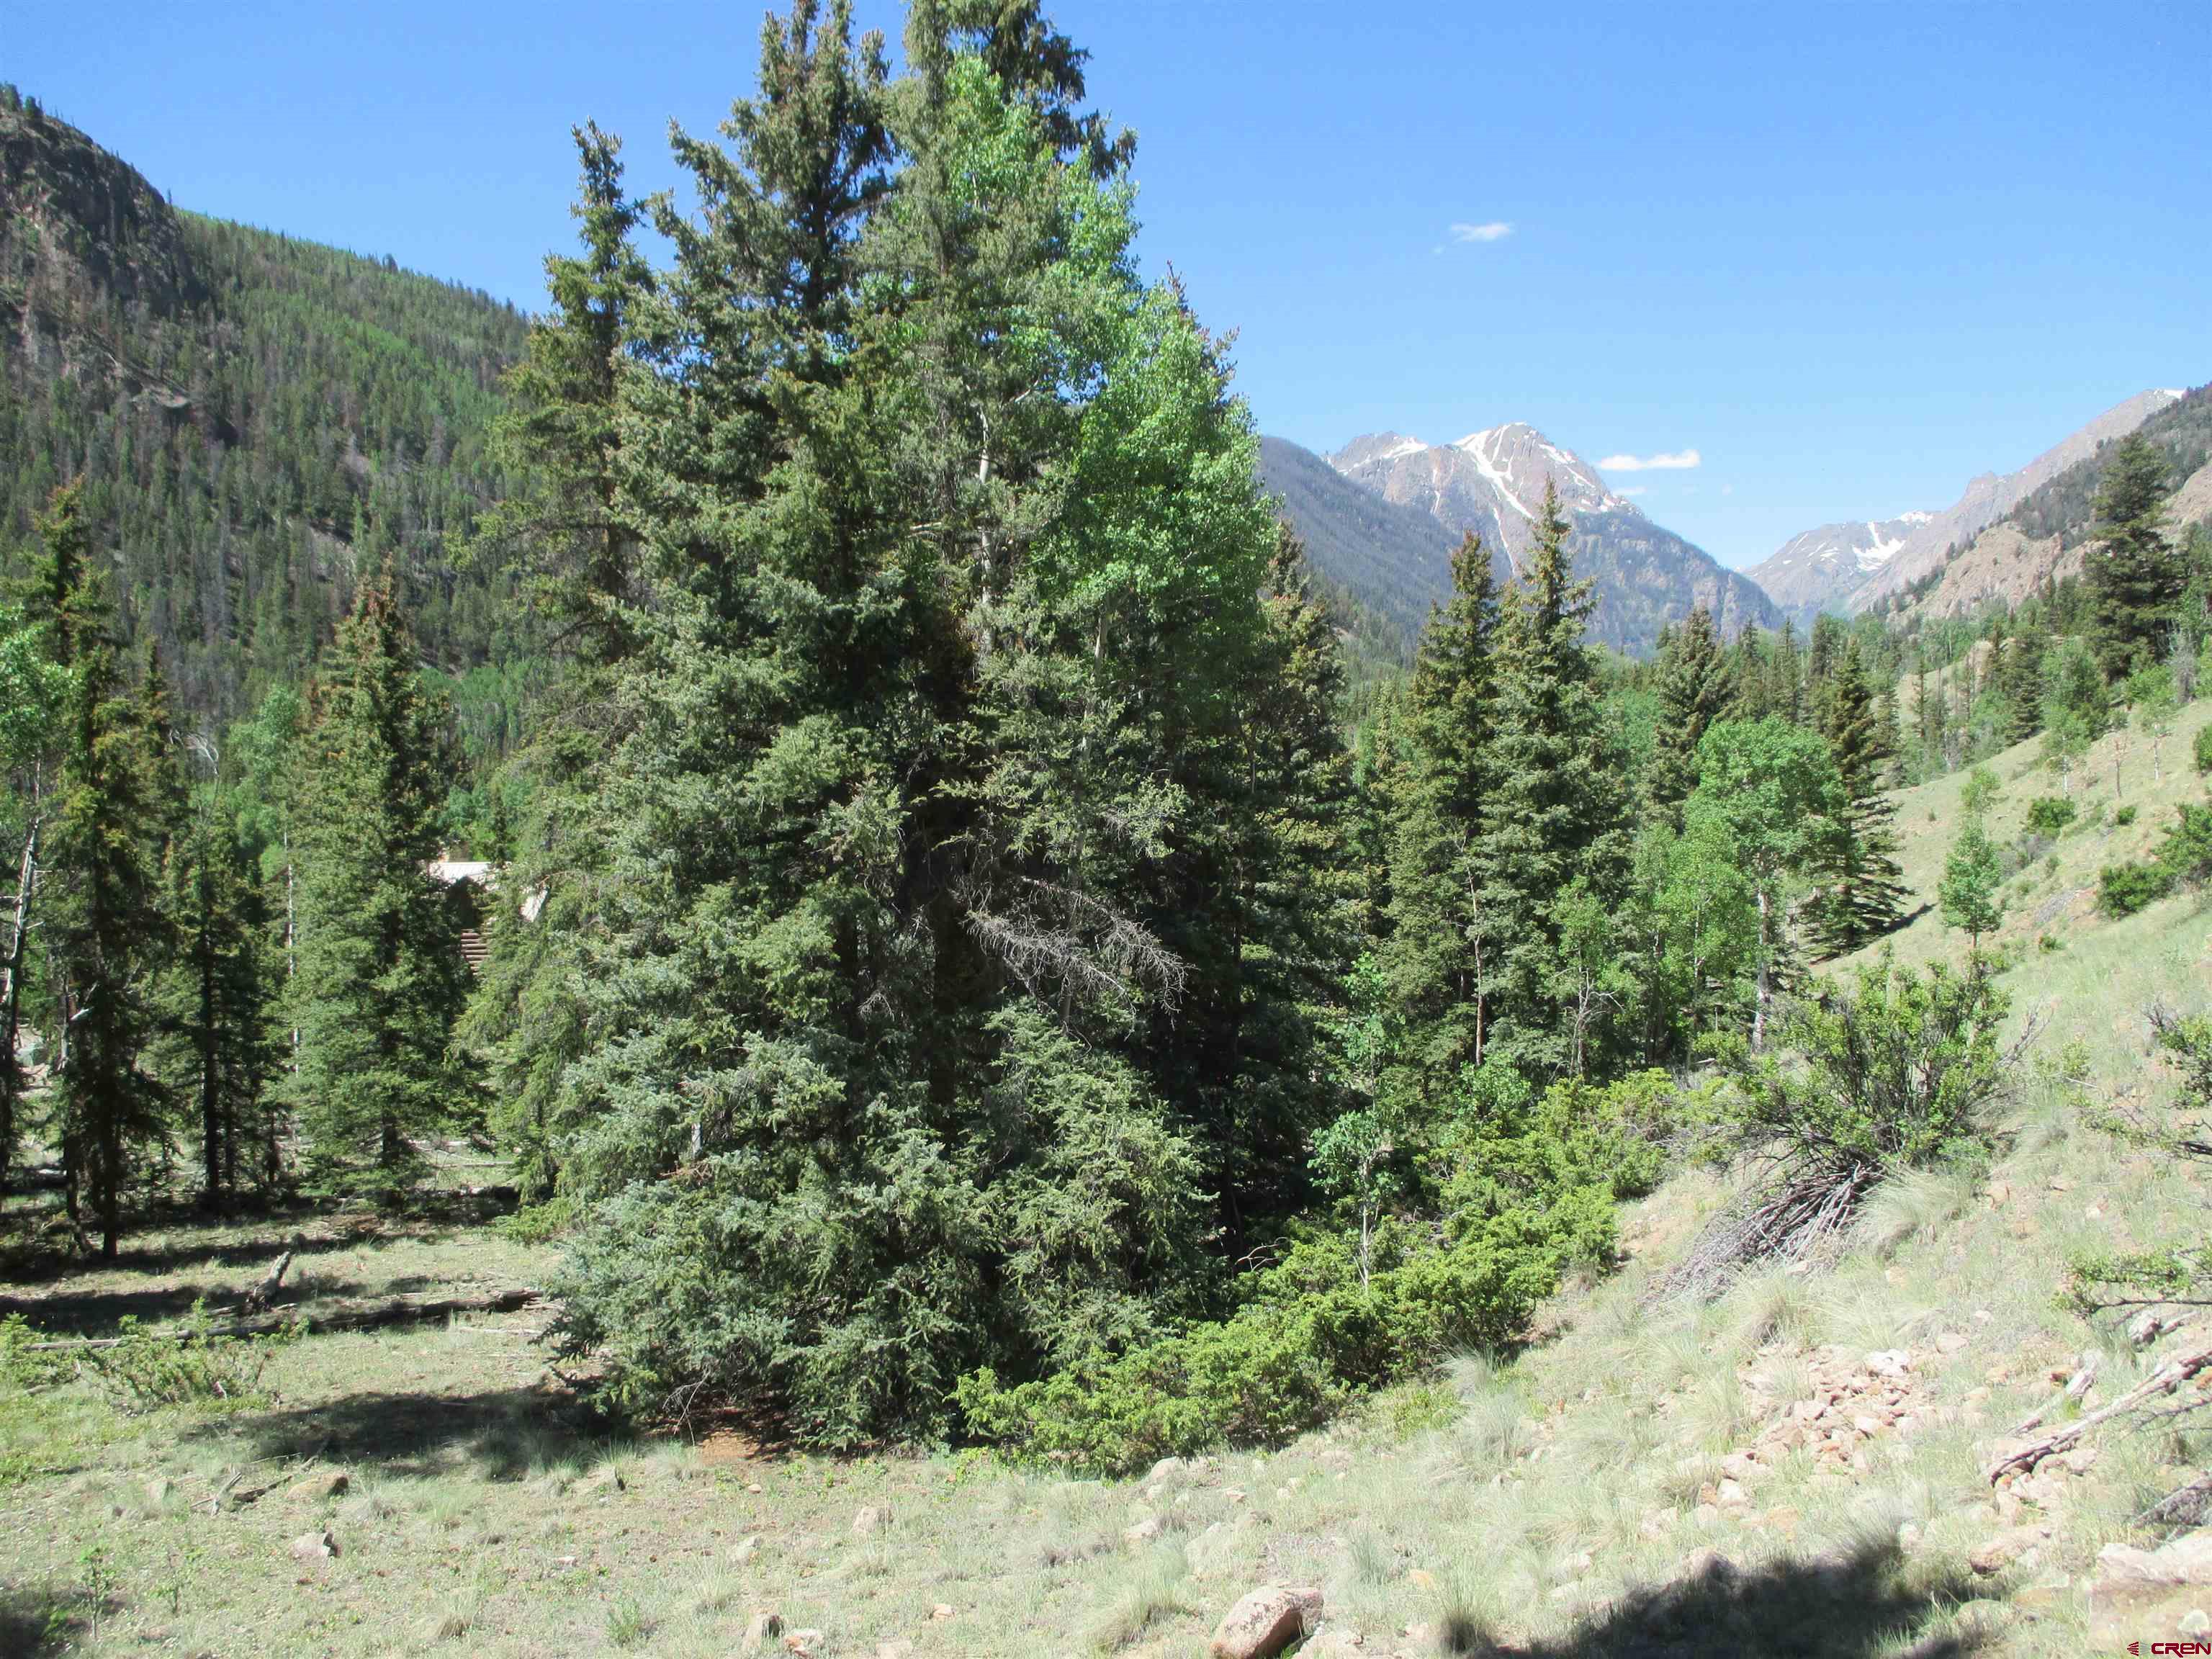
(962, 962)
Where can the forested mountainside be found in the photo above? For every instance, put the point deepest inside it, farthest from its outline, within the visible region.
(2046, 534)
(1386, 540)
(256, 420)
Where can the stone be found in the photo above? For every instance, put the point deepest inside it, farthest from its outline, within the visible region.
(2013, 1545)
(874, 1518)
(315, 1545)
(1234, 1494)
(1707, 1563)
(1889, 1362)
(1421, 1578)
(941, 1612)
(899, 1647)
(1266, 1621)
(158, 1489)
(1732, 1495)
(803, 1641)
(2186, 1560)
(319, 1488)
(1737, 1466)
(1144, 1531)
(1951, 1341)
(603, 1479)
(743, 1551)
(762, 1626)
(1167, 1466)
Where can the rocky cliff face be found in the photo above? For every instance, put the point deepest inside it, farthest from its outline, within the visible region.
(89, 253)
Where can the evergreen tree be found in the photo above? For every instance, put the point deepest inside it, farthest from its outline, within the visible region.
(1863, 891)
(1694, 691)
(106, 935)
(1444, 956)
(379, 977)
(2136, 578)
(1557, 800)
(220, 1050)
(562, 529)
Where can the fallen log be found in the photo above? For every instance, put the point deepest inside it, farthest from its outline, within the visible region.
(357, 1315)
(2024, 1456)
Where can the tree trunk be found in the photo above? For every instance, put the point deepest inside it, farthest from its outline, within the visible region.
(11, 997)
(210, 1102)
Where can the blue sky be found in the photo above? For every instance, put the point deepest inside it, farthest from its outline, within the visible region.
(1848, 255)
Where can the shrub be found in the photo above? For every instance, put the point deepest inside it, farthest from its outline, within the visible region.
(1892, 1071)
(1522, 1198)
(2123, 816)
(2203, 749)
(2124, 889)
(2185, 854)
(2049, 814)
(147, 1369)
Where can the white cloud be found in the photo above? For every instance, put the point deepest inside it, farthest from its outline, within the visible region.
(1680, 461)
(1496, 231)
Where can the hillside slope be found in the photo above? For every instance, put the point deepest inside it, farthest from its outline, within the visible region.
(255, 417)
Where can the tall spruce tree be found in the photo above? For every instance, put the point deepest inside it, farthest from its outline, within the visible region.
(973, 804)
(1557, 803)
(220, 1051)
(1863, 892)
(379, 977)
(2136, 577)
(106, 935)
(1695, 690)
(1444, 957)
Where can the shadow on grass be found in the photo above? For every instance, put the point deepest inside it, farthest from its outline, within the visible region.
(97, 1313)
(512, 1434)
(38, 1619)
(1849, 1605)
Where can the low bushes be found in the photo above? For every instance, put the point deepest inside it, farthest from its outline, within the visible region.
(1508, 1193)
(2049, 814)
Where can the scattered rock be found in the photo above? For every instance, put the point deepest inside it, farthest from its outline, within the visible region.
(743, 1551)
(158, 1489)
(1889, 1362)
(2195, 1622)
(941, 1612)
(900, 1647)
(2186, 1560)
(602, 1480)
(319, 1488)
(804, 1641)
(1707, 1563)
(1266, 1620)
(1144, 1532)
(2013, 1545)
(1951, 1341)
(1167, 1466)
(315, 1545)
(874, 1518)
(1421, 1578)
(1235, 1495)
(1732, 1495)
(762, 1626)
